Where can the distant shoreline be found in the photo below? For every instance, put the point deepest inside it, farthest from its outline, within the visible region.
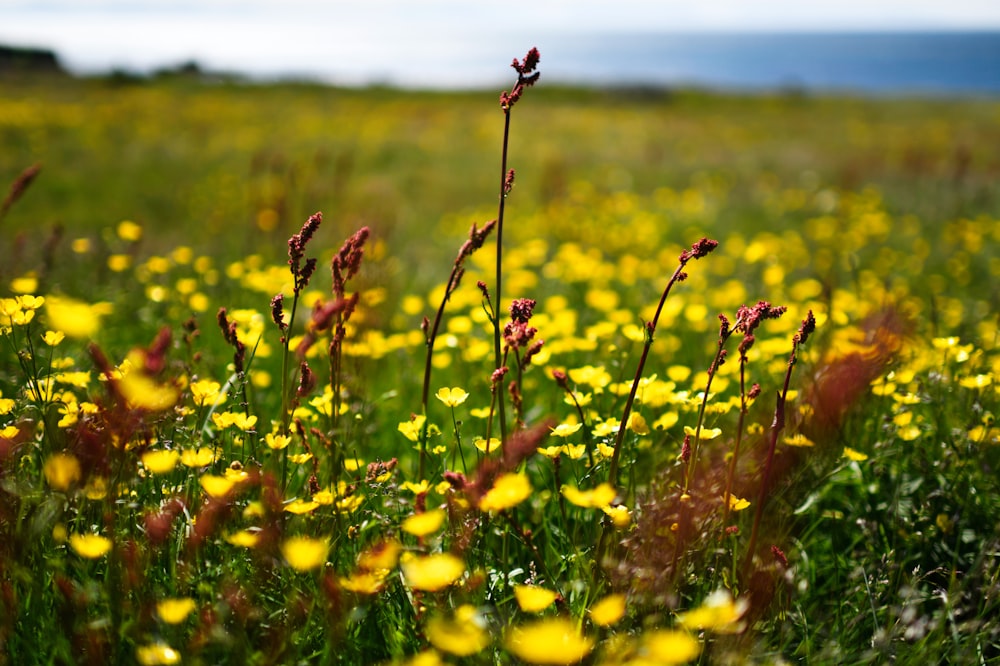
(870, 63)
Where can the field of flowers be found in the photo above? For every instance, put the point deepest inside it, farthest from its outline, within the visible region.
(668, 378)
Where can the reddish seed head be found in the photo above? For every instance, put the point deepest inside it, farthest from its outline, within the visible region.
(806, 329)
(307, 380)
(497, 376)
(562, 379)
(277, 311)
(521, 309)
(702, 248)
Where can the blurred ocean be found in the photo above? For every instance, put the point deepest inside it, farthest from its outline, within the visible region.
(934, 63)
(874, 63)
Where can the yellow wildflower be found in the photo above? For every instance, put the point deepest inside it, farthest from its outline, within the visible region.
(534, 599)
(244, 538)
(486, 447)
(157, 654)
(608, 610)
(451, 397)
(706, 433)
(175, 611)
(461, 635)
(596, 498)
(62, 470)
(856, 456)
(423, 524)
(508, 490)
(160, 462)
(300, 506)
(666, 647)
(550, 641)
(90, 546)
(197, 457)
(720, 612)
(304, 553)
(431, 573)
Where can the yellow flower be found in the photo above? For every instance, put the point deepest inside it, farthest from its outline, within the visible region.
(26, 284)
(431, 573)
(160, 462)
(244, 538)
(487, 447)
(425, 658)
(301, 506)
(216, 486)
(205, 391)
(277, 442)
(6, 406)
(365, 582)
(608, 610)
(566, 429)
(304, 553)
(534, 599)
(74, 318)
(411, 429)
(706, 433)
(976, 381)
(856, 456)
(300, 458)
(461, 635)
(668, 647)
(129, 231)
(416, 488)
(551, 641)
(90, 546)
(175, 611)
(383, 555)
(197, 457)
(157, 654)
(637, 424)
(451, 397)
(423, 524)
(720, 612)
(666, 421)
(53, 338)
(596, 498)
(607, 427)
(508, 490)
(62, 470)
(798, 439)
(737, 503)
(142, 392)
(619, 515)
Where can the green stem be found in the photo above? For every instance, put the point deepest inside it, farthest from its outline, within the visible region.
(650, 330)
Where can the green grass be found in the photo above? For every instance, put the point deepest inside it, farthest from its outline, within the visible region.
(875, 542)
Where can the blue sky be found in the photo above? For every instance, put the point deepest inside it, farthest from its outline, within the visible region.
(384, 37)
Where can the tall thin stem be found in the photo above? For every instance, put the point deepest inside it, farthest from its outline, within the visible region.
(805, 330)
(698, 250)
(498, 289)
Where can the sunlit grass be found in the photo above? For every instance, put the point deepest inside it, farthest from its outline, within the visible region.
(194, 471)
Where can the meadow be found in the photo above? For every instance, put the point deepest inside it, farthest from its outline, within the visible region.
(707, 379)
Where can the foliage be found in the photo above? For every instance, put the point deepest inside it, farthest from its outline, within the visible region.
(212, 455)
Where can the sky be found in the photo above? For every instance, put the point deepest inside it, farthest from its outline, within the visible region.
(362, 40)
